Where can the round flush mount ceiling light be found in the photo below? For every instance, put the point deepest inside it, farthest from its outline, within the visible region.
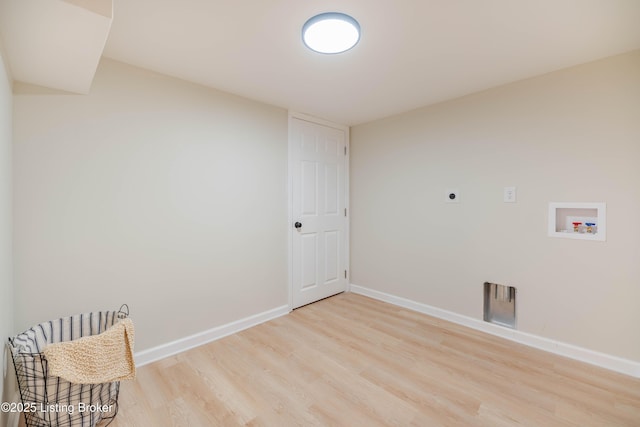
(331, 32)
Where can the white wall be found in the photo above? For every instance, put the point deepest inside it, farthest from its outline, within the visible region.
(568, 136)
(6, 276)
(150, 191)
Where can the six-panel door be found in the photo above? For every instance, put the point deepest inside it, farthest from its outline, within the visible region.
(318, 170)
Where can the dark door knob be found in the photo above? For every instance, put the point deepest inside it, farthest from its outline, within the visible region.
(298, 225)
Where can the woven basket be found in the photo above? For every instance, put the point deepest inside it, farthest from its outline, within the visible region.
(51, 401)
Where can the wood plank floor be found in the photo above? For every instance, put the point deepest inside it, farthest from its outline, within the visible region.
(353, 361)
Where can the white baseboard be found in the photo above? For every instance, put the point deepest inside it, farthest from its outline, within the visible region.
(169, 349)
(613, 363)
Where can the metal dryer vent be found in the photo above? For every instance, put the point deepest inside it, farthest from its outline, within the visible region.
(500, 304)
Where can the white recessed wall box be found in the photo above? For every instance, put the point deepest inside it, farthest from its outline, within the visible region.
(583, 221)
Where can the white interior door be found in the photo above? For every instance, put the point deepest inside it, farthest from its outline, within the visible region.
(318, 213)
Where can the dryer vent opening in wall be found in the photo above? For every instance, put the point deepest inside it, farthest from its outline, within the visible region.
(500, 304)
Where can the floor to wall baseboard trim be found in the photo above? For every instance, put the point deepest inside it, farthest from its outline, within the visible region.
(613, 363)
(169, 349)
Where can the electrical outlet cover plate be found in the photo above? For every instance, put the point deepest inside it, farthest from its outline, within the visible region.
(452, 196)
(509, 194)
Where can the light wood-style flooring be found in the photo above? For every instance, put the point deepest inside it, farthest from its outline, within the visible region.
(354, 361)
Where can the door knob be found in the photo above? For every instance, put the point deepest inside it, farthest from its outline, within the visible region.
(298, 225)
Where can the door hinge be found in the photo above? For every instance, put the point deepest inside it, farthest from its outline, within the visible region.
(345, 274)
(345, 211)
(345, 150)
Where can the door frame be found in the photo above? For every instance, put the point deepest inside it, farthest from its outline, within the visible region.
(305, 117)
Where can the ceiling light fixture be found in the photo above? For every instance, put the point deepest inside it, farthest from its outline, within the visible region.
(331, 32)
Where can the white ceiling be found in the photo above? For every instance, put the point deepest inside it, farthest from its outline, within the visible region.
(412, 52)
